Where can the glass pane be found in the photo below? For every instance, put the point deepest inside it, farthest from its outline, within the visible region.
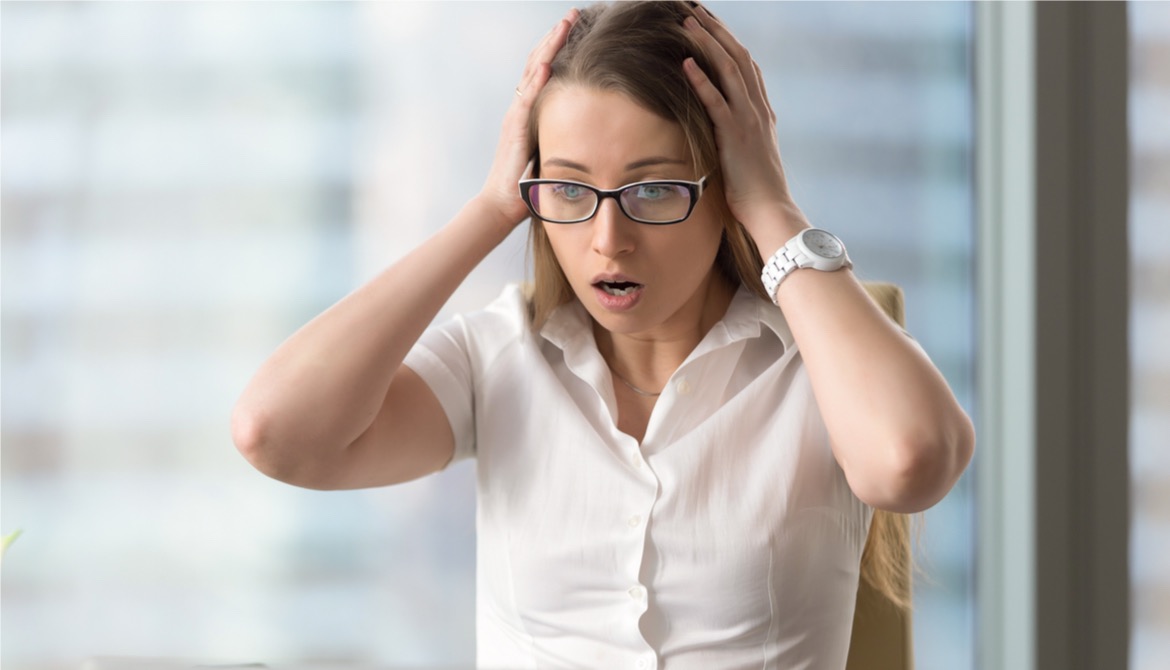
(875, 102)
(1149, 101)
(185, 184)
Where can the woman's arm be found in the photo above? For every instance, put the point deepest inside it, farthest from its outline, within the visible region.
(333, 407)
(897, 431)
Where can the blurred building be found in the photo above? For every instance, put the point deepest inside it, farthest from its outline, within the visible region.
(184, 184)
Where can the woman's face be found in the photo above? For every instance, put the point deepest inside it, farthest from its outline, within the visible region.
(605, 139)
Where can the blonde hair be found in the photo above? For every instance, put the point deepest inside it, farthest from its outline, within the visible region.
(637, 49)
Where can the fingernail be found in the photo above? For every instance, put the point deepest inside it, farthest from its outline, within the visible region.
(691, 22)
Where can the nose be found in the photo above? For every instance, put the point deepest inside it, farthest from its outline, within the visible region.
(613, 231)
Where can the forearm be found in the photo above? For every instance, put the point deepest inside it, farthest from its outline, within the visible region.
(897, 430)
(323, 387)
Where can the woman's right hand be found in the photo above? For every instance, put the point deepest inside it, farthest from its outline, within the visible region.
(334, 407)
(514, 150)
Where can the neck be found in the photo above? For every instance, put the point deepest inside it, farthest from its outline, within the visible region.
(645, 361)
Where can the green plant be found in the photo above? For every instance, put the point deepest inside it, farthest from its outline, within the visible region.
(7, 540)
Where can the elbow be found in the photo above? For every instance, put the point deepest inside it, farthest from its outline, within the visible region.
(252, 434)
(249, 433)
(919, 472)
(275, 455)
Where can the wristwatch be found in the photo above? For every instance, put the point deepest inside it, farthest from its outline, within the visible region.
(811, 248)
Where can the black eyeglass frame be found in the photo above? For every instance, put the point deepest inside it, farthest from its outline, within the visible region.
(694, 187)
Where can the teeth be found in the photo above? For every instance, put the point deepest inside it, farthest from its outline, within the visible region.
(615, 291)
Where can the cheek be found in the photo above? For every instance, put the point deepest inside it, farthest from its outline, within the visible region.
(564, 247)
(706, 234)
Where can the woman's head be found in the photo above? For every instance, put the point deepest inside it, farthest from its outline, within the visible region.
(636, 50)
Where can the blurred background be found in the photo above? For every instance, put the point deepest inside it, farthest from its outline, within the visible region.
(186, 184)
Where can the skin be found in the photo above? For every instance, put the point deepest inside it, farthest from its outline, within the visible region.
(593, 136)
(334, 408)
(896, 429)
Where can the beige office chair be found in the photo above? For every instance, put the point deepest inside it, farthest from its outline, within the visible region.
(881, 622)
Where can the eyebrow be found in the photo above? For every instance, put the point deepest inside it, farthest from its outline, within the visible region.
(644, 162)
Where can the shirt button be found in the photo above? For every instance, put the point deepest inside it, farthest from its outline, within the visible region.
(637, 593)
(636, 461)
(683, 386)
(643, 664)
(634, 521)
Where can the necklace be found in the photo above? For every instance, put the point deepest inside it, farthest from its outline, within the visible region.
(635, 389)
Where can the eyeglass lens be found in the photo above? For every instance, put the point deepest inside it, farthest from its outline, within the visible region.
(561, 201)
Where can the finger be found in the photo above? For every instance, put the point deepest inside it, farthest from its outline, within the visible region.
(764, 92)
(719, 29)
(545, 51)
(726, 68)
(533, 61)
(714, 102)
(734, 49)
(554, 39)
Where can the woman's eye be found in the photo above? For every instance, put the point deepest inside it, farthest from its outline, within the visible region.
(654, 191)
(570, 191)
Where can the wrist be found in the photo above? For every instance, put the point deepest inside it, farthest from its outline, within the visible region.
(773, 226)
(491, 216)
(811, 248)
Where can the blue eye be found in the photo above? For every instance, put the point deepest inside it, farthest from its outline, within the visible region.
(570, 191)
(655, 191)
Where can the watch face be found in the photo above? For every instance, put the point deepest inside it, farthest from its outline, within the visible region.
(823, 244)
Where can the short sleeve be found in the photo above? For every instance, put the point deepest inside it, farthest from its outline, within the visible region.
(442, 358)
(453, 358)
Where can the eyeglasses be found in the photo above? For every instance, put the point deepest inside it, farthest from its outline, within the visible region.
(657, 203)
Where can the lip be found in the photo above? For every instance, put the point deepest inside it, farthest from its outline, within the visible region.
(617, 303)
(613, 277)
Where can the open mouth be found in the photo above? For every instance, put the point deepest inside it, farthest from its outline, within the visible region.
(618, 288)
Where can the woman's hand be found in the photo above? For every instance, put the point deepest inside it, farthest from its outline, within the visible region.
(514, 151)
(745, 132)
(896, 429)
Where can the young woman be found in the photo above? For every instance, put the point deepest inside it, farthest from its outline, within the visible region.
(683, 426)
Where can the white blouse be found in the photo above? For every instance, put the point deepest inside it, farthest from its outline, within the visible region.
(728, 539)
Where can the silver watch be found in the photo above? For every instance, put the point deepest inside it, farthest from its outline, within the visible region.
(811, 248)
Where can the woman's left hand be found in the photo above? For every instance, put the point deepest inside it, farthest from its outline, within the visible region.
(745, 132)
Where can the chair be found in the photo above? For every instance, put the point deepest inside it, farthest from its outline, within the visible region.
(881, 625)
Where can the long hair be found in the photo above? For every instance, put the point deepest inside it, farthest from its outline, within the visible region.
(637, 49)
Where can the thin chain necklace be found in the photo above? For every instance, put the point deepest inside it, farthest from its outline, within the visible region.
(635, 389)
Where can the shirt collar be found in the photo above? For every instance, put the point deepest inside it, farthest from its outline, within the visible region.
(567, 325)
(570, 325)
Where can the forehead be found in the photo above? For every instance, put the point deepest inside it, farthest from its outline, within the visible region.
(604, 130)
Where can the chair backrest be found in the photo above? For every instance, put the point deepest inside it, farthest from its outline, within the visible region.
(882, 628)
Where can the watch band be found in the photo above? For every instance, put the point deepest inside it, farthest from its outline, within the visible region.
(797, 254)
(779, 266)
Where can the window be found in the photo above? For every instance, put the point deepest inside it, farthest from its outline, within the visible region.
(1149, 100)
(185, 184)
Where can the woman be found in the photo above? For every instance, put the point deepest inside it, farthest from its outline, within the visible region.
(671, 468)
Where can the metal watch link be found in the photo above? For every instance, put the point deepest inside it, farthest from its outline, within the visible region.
(810, 248)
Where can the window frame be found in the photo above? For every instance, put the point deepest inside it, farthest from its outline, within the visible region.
(1052, 279)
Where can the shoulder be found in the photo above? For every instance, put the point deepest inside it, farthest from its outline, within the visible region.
(507, 318)
(482, 334)
(750, 316)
